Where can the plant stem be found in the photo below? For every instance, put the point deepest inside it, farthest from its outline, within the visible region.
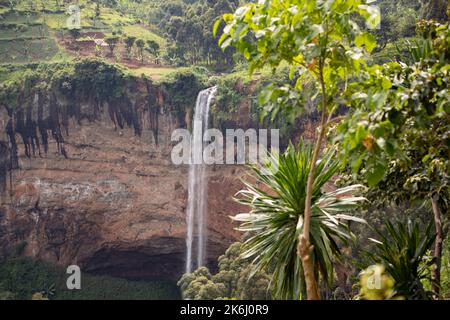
(436, 273)
(305, 249)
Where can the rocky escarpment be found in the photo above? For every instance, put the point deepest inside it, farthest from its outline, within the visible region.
(92, 183)
(116, 205)
(86, 175)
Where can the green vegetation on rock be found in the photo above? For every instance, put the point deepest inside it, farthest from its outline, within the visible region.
(234, 280)
(21, 278)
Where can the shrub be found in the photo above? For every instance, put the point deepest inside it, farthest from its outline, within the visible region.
(402, 250)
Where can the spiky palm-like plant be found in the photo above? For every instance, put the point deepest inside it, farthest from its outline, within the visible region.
(276, 218)
(402, 249)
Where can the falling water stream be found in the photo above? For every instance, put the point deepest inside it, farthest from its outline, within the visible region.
(196, 214)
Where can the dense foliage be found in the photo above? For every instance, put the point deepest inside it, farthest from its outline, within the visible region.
(234, 280)
(189, 28)
(400, 113)
(399, 116)
(21, 278)
(320, 41)
(403, 250)
(396, 134)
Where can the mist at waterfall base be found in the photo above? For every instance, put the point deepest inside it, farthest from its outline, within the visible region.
(196, 215)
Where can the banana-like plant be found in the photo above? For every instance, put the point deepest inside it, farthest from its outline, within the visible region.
(275, 220)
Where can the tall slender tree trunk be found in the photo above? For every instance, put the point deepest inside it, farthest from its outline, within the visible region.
(304, 248)
(436, 274)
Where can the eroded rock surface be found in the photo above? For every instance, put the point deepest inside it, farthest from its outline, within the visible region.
(115, 206)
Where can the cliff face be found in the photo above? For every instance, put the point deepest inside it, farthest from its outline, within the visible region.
(116, 204)
(92, 181)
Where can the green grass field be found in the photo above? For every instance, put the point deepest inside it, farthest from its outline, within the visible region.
(18, 17)
(139, 31)
(27, 50)
(156, 73)
(21, 31)
(27, 34)
(22, 42)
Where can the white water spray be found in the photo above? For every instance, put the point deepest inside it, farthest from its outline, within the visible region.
(198, 183)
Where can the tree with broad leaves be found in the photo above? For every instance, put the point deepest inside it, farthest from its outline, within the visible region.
(319, 40)
(140, 44)
(153, 48)
(397, 133)
(129, 42)
(112, 42)
(235, 279)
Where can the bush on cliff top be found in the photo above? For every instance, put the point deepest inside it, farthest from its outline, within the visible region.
(86, 78)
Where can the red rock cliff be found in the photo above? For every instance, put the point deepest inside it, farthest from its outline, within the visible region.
(115, 206)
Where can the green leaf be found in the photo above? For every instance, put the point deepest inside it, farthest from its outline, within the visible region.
(276, 205)
(386, 83)
(366, 39)
(216, 26)
(222, 38)
(376, 174)
(226, 43)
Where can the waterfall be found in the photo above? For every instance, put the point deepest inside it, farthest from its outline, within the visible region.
(198, 183)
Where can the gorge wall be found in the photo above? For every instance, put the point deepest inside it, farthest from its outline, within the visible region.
(86, 176)
(116, 205)
(97, 187)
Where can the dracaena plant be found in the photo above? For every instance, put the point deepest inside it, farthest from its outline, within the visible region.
(402, 248)
(276, 218)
